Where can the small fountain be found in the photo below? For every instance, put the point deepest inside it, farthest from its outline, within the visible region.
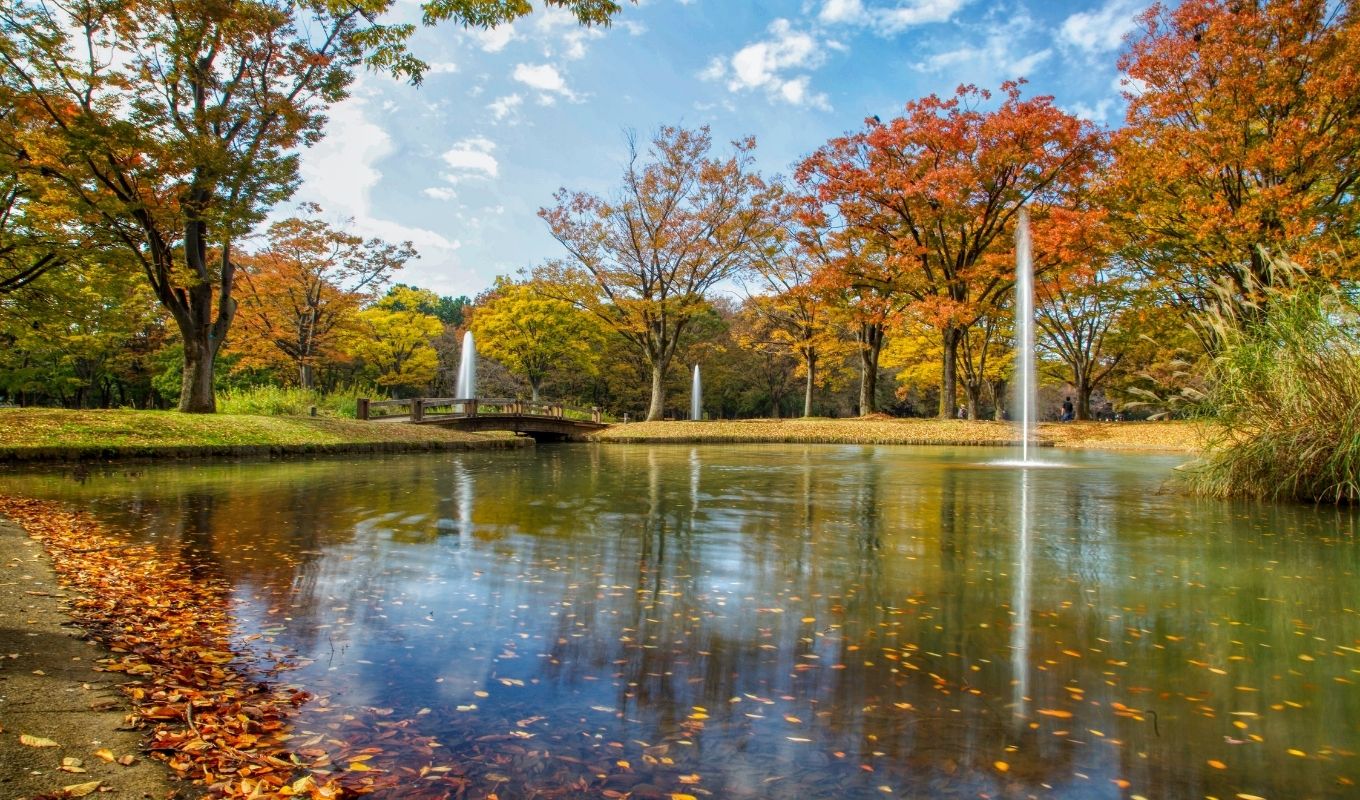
(696, 397)
(467, 372)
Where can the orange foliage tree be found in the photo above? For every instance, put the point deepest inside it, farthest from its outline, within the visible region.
(936, 188)
(643, 261)
(302, 287)
(1243, 139)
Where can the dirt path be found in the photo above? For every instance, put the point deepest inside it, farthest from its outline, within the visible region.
(49, 689)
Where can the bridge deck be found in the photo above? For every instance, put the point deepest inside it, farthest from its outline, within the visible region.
(543, 421)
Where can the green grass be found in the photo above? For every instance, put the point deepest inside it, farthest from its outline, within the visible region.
(57, 433)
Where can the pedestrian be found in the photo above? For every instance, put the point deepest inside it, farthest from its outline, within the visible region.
(1067, 414)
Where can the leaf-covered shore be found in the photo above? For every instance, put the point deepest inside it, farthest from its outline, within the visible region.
(1178, 436)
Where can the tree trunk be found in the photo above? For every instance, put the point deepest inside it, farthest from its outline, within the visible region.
(973, 392)
(1084, 390)
(999, 399)
(871, 344)
(533, 391)
(949, 374)
(196, 387)
(807, 389)
(306, 375)
(657, 407)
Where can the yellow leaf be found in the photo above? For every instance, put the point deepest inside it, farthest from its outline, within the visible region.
(1216, 764)
(36, 741)
(682, 796)
(80, 789)
(1001, 766)
(359, 766)
(104, 753)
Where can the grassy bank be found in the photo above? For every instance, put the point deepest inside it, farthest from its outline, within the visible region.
(57, 434)
(1178, 436)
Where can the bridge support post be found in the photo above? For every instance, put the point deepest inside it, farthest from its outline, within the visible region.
(361, 408)
(417, 409)
(595, 414)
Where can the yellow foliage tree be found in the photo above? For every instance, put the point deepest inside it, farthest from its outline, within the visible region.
(534, 335)
(393, 339)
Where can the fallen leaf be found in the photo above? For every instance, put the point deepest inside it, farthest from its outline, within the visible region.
(36, 741)
(105, 753)
(80, 789)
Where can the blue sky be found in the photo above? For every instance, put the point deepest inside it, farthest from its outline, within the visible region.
(461, 165)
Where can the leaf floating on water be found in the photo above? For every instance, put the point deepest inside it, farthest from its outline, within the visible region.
(1216, 764)
(1055, 712)
(1001, 766)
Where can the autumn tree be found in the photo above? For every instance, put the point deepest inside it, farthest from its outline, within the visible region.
(642, 262)
(935, 188)
(174, 125)
(798, 319)
(393, 339)
(535, 335)
(1078, 313)
(1242, 141)
(303, 285)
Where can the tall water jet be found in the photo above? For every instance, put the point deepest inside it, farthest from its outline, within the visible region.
(467, 371)
(696, 398)
(1024, 331)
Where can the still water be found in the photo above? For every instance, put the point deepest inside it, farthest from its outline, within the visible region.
(779, 621)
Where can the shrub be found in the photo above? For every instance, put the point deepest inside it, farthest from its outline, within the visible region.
(1284, 394)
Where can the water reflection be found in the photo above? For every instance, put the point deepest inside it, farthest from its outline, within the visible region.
(784, 621)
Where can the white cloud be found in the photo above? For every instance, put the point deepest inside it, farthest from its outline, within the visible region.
(505, 107)
(341, 171)
(441, 68)
(494, 40)
(887, 20)
(1000, 56)
(546, 79)
(765, 65)
(1103, 29)
(471, 157)
(439, 192)
(1098, 113)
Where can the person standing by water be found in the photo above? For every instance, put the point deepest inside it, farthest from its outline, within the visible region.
(1067, 414)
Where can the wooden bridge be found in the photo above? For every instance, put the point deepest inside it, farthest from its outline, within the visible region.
(545, 422)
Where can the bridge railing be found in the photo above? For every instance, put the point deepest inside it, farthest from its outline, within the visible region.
(417, 409)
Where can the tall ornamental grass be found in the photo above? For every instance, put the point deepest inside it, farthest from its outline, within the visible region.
(1284, 395)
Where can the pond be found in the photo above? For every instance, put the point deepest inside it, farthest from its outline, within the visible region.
(780, 621)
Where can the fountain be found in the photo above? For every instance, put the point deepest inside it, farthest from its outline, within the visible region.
(1024, 332)
(696, 398)
(467, 372)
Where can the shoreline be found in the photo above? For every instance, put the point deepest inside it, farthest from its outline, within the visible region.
(36, 436)
(50, 689)
(1151, 437)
